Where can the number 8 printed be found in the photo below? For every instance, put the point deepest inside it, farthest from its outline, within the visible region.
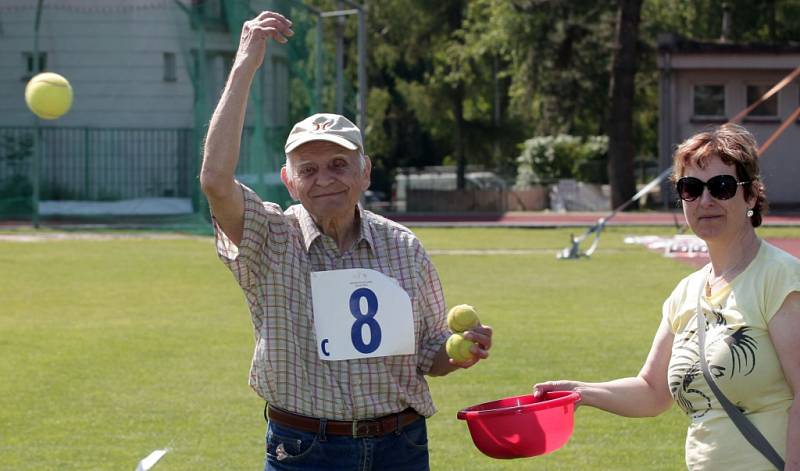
(368, 319)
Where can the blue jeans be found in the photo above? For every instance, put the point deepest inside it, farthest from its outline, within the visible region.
(289, 449)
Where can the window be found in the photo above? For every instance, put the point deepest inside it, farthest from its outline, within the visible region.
(279, 106)
(227, 64)
(798, 106)
(709, 101)
(217, 65)
(210, 9)
(30, 67)
(767, 109)
(212, 13)
(170, 67)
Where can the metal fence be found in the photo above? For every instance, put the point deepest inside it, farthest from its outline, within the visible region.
(97, 164)
(107, 164)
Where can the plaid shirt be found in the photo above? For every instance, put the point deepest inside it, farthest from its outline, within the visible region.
(273, 264)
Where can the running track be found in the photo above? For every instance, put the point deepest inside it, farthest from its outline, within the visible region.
(546, 219)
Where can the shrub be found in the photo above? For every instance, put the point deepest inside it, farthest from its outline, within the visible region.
(545, 159)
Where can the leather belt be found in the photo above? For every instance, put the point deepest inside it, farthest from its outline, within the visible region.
(355, 428)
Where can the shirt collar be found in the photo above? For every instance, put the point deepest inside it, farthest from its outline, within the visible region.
(311, 231)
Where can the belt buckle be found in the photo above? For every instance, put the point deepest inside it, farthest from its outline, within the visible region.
(364, 428)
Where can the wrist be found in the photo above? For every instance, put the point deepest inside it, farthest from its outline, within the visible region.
(243, 69)
(586, 394)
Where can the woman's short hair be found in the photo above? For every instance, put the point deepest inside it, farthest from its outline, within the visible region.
(734, 145)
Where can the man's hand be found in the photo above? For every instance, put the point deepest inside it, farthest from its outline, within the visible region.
(253, 42)
(482, 336)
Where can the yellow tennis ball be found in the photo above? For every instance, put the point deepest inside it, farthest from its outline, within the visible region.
(462, 317)
(48, 95)
(458, 348)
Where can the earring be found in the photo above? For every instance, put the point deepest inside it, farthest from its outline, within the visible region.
(749, 213)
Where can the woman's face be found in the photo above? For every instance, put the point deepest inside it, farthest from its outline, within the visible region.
(715, 219)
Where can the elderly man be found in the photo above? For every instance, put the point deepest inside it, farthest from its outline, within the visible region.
(347, 308)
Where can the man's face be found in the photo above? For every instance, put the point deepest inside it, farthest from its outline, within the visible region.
(326, 178)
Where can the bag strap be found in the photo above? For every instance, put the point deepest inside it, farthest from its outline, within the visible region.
(750, 432)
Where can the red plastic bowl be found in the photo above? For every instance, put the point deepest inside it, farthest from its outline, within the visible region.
(522, 426)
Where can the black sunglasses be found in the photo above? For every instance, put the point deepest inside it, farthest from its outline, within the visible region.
(721, 187)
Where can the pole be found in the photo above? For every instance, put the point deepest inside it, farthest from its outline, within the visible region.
(775, 135)
(362, 69)
(318, 68)
(340, 64)
(665, 123)
(37, 139)
(361, 11)
(200, 103)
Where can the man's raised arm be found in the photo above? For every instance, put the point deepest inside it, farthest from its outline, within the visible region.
(225, 130)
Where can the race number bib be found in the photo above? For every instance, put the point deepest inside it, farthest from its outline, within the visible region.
(360, 313)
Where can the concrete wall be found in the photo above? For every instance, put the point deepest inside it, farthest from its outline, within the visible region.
(490, 201)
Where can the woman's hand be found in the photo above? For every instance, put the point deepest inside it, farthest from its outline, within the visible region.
(540, 389)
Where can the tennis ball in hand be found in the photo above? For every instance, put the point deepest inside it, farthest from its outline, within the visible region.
(462, 317)
(458, 348)
(48, 95)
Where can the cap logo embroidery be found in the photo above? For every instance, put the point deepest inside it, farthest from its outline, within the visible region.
(321, 127)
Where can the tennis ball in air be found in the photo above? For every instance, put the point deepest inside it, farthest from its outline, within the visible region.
(48, 95)
(462, 317)
(458, 348)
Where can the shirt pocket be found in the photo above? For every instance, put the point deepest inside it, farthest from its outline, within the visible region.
(276, 245)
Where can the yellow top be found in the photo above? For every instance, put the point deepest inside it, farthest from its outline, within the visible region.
(741, 358)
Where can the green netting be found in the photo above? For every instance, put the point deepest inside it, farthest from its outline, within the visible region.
(95, 164)
(16, 189)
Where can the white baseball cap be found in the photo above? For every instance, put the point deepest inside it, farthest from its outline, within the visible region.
(325, 127)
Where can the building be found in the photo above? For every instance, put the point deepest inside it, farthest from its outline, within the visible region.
(708, 83)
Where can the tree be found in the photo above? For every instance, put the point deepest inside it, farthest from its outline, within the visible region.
(439, 82)
(409, 70)
(468, 81)
(621, 147)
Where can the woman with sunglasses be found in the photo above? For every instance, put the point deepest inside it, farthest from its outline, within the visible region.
(749, 297)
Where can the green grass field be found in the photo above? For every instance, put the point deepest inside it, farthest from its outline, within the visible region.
(113, 348)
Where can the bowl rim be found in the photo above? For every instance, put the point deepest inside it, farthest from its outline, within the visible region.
(562, 398)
